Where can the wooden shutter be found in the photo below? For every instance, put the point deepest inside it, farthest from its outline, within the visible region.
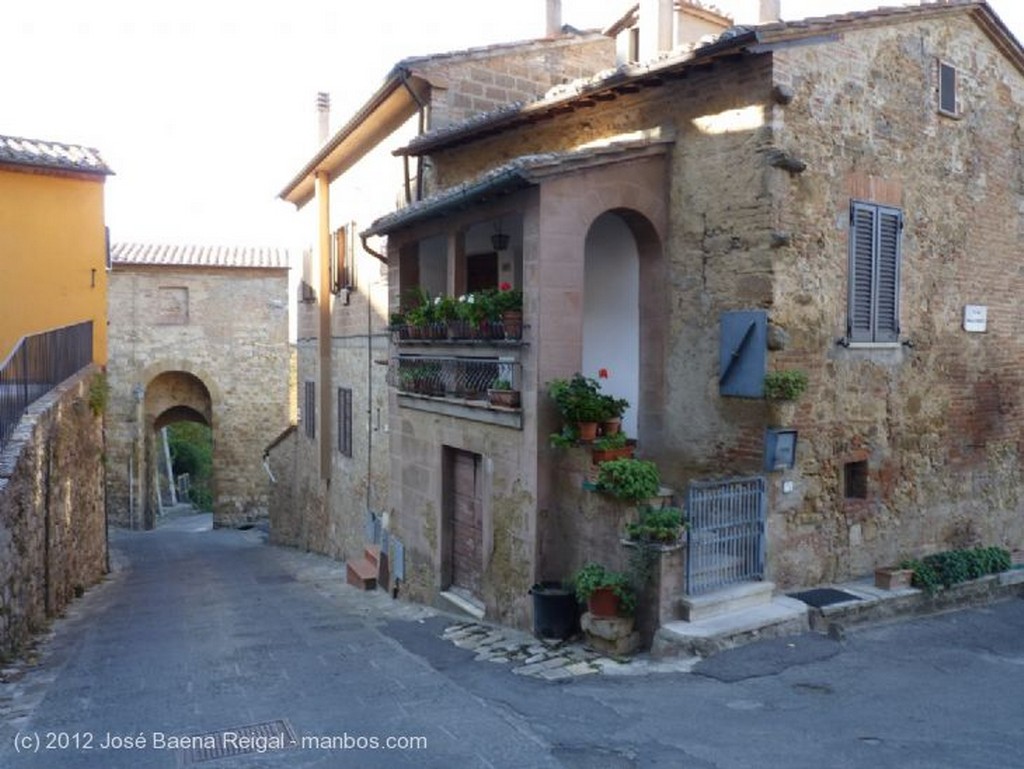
(887, 309)
(873, 304)
(948, 90)
(862, 272)
(339, 260)
(345, 421)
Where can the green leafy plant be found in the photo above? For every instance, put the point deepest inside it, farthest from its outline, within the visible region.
(608, 442)
(629, 479)
(506, 298)
(578, 399)
(612, 407)
(191, 446)
(565, 439)
(593, 576)
(656, 525)
(785, 385)
(99, 394)
(501, 384)
(952, 567)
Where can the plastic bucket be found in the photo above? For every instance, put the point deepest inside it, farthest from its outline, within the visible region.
(554, 610)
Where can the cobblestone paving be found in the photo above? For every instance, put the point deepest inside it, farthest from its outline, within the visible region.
(550, 660)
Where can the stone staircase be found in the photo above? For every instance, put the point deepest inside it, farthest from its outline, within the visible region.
(368, 571)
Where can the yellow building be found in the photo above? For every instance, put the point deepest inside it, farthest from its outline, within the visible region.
(53, 245)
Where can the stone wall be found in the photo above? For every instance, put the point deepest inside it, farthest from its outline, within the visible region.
(52, 527)
(226, 341)
(938, 422)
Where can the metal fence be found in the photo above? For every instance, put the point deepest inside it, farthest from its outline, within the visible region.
(452, 376)
(38, 364)
(725, 541)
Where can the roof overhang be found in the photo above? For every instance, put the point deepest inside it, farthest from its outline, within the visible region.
(523, 172)
(394, 103)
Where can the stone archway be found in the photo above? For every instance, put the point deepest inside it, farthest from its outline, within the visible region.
(169, 397)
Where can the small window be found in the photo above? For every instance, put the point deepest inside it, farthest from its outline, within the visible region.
(345, 421)
(855, 480)
(949, 82)
(309, 410)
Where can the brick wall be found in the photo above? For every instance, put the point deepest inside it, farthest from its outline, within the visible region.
(52, 529)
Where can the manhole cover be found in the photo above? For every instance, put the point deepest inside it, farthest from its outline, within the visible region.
(236, 741)
(824, 596)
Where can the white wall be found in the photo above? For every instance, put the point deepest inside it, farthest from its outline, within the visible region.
(611, 312)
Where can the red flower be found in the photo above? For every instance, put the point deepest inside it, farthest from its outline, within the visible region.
(602, 373)
(506, 286)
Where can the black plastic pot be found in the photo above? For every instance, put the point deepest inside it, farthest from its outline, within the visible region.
(554, 610)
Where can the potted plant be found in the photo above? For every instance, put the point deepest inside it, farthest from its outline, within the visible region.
(660, 526)
(611, 446)
(633, 480)
(607, 593)
(580, 402)
(611, 419)
(500, 393)
(785, 385)
(508, 308)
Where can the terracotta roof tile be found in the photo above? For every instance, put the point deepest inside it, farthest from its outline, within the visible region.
(199, 256)
(36, 153)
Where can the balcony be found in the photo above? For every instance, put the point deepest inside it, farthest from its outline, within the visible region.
(456, 384)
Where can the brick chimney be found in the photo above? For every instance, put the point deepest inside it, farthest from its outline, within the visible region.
(553, 27)
(323, 117)
(656, 32)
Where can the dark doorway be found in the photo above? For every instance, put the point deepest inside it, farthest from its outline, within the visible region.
(481, 272)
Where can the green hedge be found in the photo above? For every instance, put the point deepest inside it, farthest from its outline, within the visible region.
(955, 566)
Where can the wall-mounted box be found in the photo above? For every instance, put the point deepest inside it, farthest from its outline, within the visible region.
(975, 318)
(779, 449)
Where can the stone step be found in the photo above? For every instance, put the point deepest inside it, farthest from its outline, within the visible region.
(463, 602)
(361, 573)
(783, 616)
(726, 600)
(372, 554)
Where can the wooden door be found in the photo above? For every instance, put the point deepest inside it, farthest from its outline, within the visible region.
(466, 518)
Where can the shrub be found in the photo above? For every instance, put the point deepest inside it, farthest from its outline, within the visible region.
(659, 525)
(630, 479)
(786, 385)
(952, 567)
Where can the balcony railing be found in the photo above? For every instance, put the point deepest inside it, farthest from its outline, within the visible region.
(454, 377)
(461, 331)
(39, 363)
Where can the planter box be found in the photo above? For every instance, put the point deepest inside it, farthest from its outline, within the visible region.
(606, 455)
(889, 578)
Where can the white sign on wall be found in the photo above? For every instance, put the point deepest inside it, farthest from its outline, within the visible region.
(975, 317)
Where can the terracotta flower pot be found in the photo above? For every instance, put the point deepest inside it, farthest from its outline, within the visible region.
(512, 322)
(603, 603)
(889, 578)
(509, 399)
(611, 427)
(587, 430)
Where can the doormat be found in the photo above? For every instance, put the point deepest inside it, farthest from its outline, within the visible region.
(823, 596)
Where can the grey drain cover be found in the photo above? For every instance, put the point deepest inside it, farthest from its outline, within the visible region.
(237, 741)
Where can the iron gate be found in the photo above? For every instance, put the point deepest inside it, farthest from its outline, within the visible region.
(725, 542)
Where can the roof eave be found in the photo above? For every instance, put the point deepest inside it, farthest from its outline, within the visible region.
(334, 156)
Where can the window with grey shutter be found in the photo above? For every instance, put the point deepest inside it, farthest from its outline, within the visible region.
(874, 290)
(948, 97)
(309, 410)
(345, 421)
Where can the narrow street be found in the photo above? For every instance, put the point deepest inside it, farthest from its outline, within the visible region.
(199, 634)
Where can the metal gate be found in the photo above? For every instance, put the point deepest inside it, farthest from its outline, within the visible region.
(725, 542)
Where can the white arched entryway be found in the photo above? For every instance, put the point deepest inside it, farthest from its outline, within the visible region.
(611, 312)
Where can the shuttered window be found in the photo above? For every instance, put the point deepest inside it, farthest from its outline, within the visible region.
(309, 410)
(873, 314)
(345, 421)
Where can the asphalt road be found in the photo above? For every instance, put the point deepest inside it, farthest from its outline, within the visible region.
(200, 635)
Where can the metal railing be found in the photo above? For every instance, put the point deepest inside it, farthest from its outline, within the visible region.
(37, 364)
(466, 378)
(725, 540)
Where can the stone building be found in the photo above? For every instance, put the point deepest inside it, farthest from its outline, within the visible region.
(198, 334)
(840, 195)
(334, 470)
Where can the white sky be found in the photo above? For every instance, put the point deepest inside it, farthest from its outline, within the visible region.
(205, 108)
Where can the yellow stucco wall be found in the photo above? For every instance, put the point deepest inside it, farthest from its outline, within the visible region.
(52, 256)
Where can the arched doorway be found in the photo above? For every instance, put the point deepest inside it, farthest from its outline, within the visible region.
(611, 312)
(172, 398)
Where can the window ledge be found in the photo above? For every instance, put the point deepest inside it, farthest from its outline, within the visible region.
(476, 411)
(873, 345)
